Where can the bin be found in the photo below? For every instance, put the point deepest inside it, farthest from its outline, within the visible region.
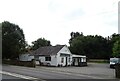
(117, 70)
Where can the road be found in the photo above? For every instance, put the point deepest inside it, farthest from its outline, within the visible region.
(8, 77)
(12, 78)
(94, 70)
(42, 74)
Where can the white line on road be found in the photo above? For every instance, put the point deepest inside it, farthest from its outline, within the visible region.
(20, 76)
(64, 72)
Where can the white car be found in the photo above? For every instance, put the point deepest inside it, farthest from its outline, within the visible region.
(114, 61)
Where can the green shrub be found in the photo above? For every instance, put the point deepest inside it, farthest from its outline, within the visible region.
(20, 63)
(98, 61)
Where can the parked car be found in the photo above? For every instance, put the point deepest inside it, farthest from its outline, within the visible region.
(114, 61)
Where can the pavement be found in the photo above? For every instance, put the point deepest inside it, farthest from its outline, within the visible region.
(9, 77)
(42, 73)
(93, 69)
(12, 78)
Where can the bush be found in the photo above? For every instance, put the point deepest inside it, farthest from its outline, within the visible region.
(98, 60)
(20, 63)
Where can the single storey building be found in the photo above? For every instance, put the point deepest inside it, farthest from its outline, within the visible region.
(58, 55)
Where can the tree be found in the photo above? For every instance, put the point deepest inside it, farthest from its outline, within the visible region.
(74, 35)
(13, 40)
(77, 45)
(111, 41)
(116, 49)
(90, 45)
(40, 43)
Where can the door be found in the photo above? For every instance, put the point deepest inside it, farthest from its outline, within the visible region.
(66, 61)
(73, 61)
(76, 61)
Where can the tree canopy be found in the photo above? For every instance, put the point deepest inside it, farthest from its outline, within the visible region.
(116, 49)
(93, 46)
(13, 40)
(40, 43)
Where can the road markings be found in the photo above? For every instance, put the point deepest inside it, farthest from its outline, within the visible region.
(63, 72)
(20, 76)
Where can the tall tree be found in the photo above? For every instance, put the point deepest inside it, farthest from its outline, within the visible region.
(90, 45)
(116, 49)
(13, 40)
(74, 35)
(111, 41)
(40, 43)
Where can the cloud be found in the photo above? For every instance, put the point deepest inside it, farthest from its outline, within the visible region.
(56, 19)
(74, 14)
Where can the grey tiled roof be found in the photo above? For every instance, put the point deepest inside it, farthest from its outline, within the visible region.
(48, 50)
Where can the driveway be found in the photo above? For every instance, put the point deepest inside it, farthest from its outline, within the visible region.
(93, 69)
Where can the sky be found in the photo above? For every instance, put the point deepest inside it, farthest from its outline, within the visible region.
(54, 20)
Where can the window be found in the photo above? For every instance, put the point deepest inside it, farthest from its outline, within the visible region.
(83, 59)
(47, 58)
(62, 60)
(36, 57)
(69, 59)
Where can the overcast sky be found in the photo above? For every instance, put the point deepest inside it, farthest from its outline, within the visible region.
(56, 19)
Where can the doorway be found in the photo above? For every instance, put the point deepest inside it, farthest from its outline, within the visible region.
(66, 61)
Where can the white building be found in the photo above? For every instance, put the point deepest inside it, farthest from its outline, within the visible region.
(58, 55)
(26, 57)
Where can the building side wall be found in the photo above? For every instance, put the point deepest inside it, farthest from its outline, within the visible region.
(64, 50)
(25, 57)
(53, 61)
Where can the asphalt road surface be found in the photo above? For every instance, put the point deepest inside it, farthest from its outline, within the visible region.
(12, 78)
(94, 70)
(43, 75)
(8, 77)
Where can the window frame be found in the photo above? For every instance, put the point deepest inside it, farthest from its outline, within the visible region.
(62, 59)
(48, 58)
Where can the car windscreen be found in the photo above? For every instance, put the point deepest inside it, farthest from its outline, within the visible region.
(114, 61)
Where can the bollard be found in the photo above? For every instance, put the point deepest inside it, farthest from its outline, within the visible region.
(117, 70)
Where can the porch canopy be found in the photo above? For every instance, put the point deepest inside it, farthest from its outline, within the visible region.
(79, 60)
(79, 56)
(65, 54)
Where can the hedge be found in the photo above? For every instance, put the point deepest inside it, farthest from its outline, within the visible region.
(20, 63)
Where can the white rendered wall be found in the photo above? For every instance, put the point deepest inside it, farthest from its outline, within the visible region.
(64, 50)
(25, 57)
(53, 61)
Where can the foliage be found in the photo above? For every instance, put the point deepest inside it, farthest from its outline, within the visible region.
(40, 43)
(20, 63)
(13, 40)
(116, 49)
(111, 40)
(93, 46)
(96, 47)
